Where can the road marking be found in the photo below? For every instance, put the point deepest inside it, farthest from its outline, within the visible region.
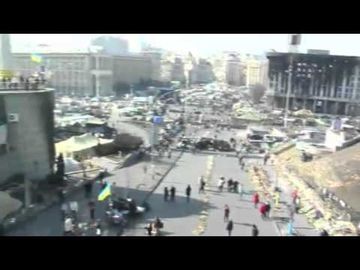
(200, 229)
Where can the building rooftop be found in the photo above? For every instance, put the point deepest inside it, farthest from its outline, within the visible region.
(307, 56)
(24, 91)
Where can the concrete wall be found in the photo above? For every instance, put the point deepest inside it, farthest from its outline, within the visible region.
(30, 147)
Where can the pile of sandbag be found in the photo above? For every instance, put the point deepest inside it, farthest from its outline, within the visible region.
(261, 182)
(320, 214)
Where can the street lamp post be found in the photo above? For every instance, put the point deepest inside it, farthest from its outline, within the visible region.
(288, 90)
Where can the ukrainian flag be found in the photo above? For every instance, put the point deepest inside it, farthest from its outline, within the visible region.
(106, 192)
(36, 58)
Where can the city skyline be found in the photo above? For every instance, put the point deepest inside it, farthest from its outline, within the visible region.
(203, 45)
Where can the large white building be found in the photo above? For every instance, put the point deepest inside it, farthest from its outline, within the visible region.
(86, 73)
(155, 60)
(256, 71)
(228, 68)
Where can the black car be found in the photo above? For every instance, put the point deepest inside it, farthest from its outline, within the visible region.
(208, 144)
(222, 145)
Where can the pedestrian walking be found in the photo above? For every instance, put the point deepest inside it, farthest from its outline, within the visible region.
(236, 186)
(172, 193)
(88, 189)
(99, 231)
(255, 199)
(74, 208)
(101, 175)
(242, 165)
(324, 233)
(149, 229)
(292, 212)
(221, 183)
(266, 158)
(166, 194)
(202, 185)
(188, 192)
(255, 231)
(226, 213)
(294, 195)
(297, 204)
(262, 210)
(230, 184)
(91, 205)
(290, 228)
(229, 227)
(64, 210)
(268, 209)
(68, 226)
(169, 154)
(241, 158)
(145, 169)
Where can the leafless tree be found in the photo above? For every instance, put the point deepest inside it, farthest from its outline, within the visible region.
(257, 92)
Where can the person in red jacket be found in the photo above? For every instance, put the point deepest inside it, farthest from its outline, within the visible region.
(256, 199)
(262, 210)
(294, 195)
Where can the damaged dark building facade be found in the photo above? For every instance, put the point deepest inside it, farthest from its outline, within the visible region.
(322, 83)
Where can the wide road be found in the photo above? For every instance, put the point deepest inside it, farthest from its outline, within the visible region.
(205, 210)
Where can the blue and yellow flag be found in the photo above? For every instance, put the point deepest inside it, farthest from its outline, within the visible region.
(36, 58)
(106, 192)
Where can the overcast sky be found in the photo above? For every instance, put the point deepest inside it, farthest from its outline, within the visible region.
(200, 44)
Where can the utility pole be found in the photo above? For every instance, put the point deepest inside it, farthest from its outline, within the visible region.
(294, 42)
(288, 90)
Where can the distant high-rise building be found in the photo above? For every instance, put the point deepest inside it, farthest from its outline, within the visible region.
(323, 83)
(112, 45)
(256, 71)
(228, 68)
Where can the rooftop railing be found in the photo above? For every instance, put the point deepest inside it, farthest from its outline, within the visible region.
(11, 86)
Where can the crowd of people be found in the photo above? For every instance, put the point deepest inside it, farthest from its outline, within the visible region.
(32, 82)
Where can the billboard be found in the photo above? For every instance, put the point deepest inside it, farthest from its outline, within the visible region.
(158, 120)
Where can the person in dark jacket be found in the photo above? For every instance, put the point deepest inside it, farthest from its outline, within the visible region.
(268, 209)
(188, 192)
(236, 186)
(172, 193)
(266, 158)
(226, 213)
(91, 205)
(166, 194)
(241, 158)
(88, 189)
(255, 231)
(242, 165)
(324, 233)
(149, 229)
(229, 227)
(230, 184)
